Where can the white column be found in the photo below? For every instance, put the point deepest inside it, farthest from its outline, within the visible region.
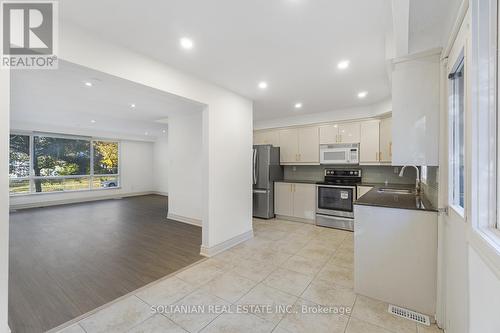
(228, 132)
(4, 197)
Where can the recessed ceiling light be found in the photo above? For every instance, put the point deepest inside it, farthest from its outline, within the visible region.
(343, 64)
(186, 43)
(263, 85)
(88, 83)
(132, 106)
(93, 121)
(164, 131)
(146, 133)
(362, 94)
(298, 105)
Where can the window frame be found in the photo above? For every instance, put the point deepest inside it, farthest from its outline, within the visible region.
(452, 144)
(91, 176)
(485, 117)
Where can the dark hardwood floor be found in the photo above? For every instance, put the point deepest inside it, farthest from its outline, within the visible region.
(68, 260)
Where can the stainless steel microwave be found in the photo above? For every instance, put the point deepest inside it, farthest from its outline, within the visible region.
(342, 153)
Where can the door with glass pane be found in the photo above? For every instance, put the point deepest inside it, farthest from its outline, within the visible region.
(452, 276)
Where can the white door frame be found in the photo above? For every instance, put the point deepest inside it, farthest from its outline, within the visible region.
(452, 229)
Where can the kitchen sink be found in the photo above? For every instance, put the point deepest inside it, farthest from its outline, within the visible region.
(396, 191)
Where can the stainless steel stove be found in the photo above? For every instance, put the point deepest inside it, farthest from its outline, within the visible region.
(335, 198)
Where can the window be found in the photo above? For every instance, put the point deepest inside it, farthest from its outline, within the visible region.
(19, 164)
(457, 136)
(57, 163)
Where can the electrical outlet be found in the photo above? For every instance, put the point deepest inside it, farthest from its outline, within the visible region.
(294, 168)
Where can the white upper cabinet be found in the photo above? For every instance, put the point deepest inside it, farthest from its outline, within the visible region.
(415, 110)
(289, 145)
(328, 134)
(266, 138)
(340, 133)
(386, 140)
(299, 145)
(369, 148)
(309, 145)
(349, 133)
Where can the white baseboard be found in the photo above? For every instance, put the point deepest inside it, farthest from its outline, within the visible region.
(184, 219)
(295, 219)
(165, 194)
(212, 251)
(39, 204)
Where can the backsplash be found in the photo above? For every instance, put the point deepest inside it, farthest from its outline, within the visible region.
(432, 187)
(370, 174)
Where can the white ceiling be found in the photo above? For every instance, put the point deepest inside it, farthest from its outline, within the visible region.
(61, 99)
(294, 45)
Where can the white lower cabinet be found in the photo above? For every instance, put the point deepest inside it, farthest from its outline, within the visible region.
(283, 193)
(295, 200)
(395, 256)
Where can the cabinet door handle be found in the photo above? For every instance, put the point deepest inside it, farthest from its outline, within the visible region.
(380, 156)
(390, 149)
(340, 138)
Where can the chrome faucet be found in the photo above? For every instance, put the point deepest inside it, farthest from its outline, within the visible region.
(418, 183)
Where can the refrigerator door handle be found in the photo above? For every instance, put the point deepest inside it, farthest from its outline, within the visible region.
(260, 191)
(255, 166)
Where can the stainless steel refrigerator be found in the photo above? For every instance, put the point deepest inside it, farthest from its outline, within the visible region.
(266, 170)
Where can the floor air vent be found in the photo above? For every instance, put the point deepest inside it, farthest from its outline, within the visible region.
(410, 315)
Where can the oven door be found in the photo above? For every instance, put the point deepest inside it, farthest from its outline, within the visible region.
(335, 200)
(334, 156)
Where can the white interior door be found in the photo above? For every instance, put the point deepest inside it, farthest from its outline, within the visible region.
(452, 261)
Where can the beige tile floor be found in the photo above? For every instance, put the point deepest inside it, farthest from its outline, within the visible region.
(299, 267)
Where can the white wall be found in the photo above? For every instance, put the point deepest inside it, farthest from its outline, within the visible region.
(4, 197)
(321, 117)
(160, 165)
(184, 168)
(227, 131)
(136, 168)
(484, 302)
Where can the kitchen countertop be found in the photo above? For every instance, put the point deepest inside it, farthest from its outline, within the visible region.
(392, 200)
(297, 181)
(402, 186)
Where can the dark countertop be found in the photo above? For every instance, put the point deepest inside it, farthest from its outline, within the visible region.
(297, 181)
(390, 185)
(392, 200)
(404, 186)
